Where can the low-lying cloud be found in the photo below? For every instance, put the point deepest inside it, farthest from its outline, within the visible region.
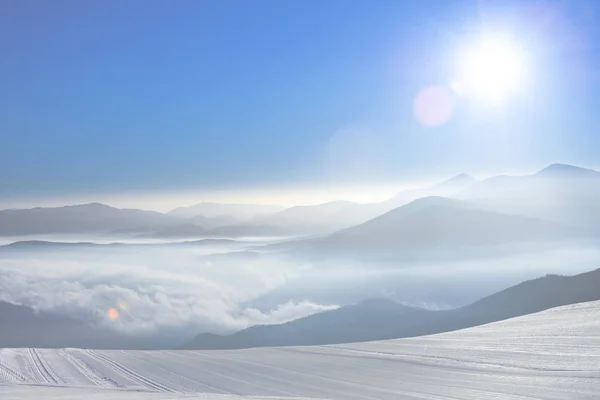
(180, 291)
(152, 290)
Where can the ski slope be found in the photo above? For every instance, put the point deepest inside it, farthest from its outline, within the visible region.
(550, 355)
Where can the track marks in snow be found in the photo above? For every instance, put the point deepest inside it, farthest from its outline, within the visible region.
(91, 374)
(42, 368)
(508, 360)
(280, 374)
(184, 383)
(144, 381)
(227, 372)
(8, 373)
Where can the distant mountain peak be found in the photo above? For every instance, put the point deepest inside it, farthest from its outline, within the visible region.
(567, 170)
(330, 204)
(85, 206)
(340, 202)
(432, 201)
(462, 177)
(94, 205)
(458, 179)
(236, 210)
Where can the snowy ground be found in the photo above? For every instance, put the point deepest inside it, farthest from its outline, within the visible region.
(550, 355)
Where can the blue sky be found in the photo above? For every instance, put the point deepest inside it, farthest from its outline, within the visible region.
(165, 96)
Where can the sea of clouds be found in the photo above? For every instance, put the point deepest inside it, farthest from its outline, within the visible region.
(183, 290)
(153, 288)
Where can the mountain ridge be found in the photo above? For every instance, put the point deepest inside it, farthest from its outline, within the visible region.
(80, 218)
(352, 324)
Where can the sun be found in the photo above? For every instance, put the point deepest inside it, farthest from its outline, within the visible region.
(491, 68)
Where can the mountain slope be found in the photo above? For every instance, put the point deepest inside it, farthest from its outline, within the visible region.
(190, 230)
(329, 217)
(554, 354)
(367, 320)
(24, 327)
(250, 230)
(445, 188)
(562, 193)
(387, 320)
(93, 217)
(35, 245)
(360, 213)
(185, 230)
(309, 219)
(236, 211)
(435, 222)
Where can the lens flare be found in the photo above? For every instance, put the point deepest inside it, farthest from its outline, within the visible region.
(112, 313)
(434, 106)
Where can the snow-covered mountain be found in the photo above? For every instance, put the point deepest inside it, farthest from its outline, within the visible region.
(559, 192)
(554, 354)
(335, 215)
(435, 223)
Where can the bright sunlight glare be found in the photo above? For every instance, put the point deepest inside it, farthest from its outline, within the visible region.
(492, 68)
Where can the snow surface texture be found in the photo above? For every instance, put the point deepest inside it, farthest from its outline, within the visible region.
(554, 354)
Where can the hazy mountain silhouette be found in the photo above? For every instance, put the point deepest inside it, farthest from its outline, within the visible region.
(309, 219)
(250, 230)
(525, 298)
(568, 171)
(335, 215)
(93, 217)
(228, 219)
(446, 188)
(185, 230)
(189, 230)
(385, 319)
(236, 211)
(561, 193)
(213, 222)
(24, 327)
(436, 222)
(33, 245)
(360, 213)
(373, 319)
(353, 323)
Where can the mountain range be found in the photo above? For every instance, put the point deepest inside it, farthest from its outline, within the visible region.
(371, 319)
(235, 211)
(379, 319)
(431, 227)
(558, 202)
(21, 327)
(562, 193)
(85, 218)
(332, 216)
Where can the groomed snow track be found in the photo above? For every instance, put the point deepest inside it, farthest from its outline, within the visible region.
(550, 355)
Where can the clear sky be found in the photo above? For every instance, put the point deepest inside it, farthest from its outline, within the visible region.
(189, 96)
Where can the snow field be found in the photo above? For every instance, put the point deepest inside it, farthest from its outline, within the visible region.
(550, 355)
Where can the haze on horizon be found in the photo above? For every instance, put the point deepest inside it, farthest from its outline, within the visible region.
(284, 196)
(172, 107)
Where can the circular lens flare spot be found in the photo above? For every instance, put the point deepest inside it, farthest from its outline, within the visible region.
(112, 313)
(434, 106)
